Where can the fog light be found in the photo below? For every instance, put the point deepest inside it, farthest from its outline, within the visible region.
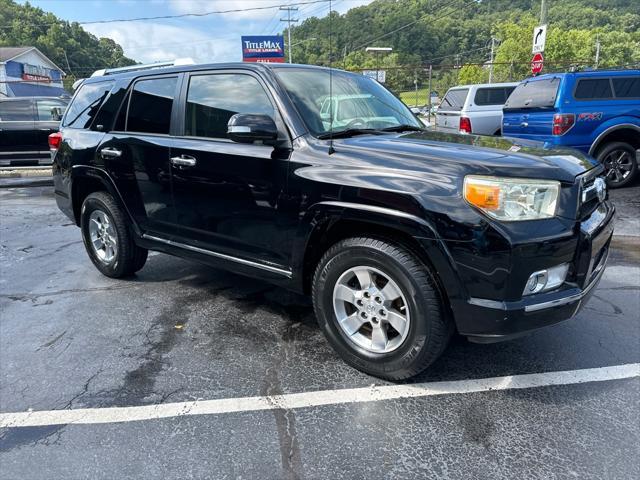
(544, 280)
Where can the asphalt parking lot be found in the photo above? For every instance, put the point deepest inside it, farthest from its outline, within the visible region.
(181, 334)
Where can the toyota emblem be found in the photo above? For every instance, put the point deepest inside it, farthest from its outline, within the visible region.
(601, 188)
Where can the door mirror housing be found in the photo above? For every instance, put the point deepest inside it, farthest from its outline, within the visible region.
(248, 128)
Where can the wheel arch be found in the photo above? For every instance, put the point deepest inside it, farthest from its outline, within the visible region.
(330, 222)
(624, 132)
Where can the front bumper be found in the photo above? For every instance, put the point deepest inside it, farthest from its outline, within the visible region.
(499, 320)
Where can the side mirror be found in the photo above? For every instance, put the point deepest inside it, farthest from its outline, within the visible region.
(248, 128)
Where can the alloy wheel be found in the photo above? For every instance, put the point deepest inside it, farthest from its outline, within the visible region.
(104, 239)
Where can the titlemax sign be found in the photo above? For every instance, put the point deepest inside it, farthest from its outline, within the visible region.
(263, 49)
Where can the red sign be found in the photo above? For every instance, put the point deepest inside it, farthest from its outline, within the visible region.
(537, 62)
(35, 78)
(264, 60)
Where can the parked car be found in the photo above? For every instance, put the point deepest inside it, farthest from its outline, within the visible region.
(597, 112)
(473, 108)
(25, 125)
(402, 236)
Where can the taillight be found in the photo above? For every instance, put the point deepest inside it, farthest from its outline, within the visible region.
(55, 139)
(562, 123)
(465, 125)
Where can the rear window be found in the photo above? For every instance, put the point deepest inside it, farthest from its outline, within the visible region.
(627, 87)
(86, 104)
(492, 96)
(534, 94)
(150, 105)
(454, 99)
(50, 110)
(593, 88)
(17, 111)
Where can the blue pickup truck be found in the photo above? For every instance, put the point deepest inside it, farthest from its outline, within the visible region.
(597, 112)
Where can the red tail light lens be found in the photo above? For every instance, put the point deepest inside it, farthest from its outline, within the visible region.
(562, 123)
(55, 139)
(465, 125)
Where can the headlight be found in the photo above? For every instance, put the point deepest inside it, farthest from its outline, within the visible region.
(512, 199)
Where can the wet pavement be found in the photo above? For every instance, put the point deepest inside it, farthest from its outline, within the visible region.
(179, 331)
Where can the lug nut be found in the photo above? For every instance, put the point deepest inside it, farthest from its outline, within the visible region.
(378, 299)
(363, 314)
(359, 302)
(367, 294)
(374, 320)
(383, 313)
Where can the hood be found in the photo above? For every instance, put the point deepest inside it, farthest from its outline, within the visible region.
(482, 155)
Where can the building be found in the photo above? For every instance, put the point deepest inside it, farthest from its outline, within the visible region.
(27, 72)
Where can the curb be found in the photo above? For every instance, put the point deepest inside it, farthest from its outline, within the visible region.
(21, 172)
(17, 182)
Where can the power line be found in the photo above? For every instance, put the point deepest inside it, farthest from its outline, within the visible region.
(183, 15)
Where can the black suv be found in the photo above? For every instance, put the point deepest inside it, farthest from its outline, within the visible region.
(25, 125)
(323, 182)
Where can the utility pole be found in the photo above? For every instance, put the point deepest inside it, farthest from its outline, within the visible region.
(289, 21)
(429, 92)
(493, 39)
(543, 12)
(415, 83)
(597, 50)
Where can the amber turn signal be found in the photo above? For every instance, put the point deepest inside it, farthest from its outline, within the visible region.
(481, 195)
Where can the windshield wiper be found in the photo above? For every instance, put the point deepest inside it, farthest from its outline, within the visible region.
(402, 128)
(349, 132)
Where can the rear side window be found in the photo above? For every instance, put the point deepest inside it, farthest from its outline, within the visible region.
(213, 99)
(593, 88)
(150, 105)
(454, 99)
(86, 104)
(534, 94)
(492, 96)
(627, 87)
(16, 111)
(50, 110)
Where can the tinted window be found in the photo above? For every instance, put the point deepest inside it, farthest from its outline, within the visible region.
(590, 88)
(534, 94)
(50, 110)
(213, 99)
(627, 87)
(16, 111)
(492, 96)
(85, 104)
(454, 99)
(150, 105)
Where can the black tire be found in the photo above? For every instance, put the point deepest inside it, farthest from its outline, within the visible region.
(129, 258)
(429, 329)
(608, 154)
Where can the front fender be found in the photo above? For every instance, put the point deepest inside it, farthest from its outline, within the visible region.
(323, 216)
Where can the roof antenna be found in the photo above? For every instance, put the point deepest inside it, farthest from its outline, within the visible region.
(331, 149)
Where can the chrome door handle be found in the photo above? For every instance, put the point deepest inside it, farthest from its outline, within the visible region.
(183, 161)
(110, 152)
(524, 124)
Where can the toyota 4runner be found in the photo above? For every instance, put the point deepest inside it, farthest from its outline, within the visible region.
(401, 236)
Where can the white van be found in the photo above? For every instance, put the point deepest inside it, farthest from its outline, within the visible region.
(474, 108)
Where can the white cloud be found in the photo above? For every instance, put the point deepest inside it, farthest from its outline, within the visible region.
(151, 42)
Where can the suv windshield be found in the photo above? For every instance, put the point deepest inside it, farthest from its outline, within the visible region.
(534, 94)
(356, 102)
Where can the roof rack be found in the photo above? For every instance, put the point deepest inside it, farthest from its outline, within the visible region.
(146, 66)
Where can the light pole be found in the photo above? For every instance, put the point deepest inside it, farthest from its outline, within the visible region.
(377, 51)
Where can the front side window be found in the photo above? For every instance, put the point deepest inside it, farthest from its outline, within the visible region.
(150, 105)
(50, 110)
(213, 99)
(627, 87)
(358, 101)
(454, 99)
(16, 111)
(593, 88)
(86, 104)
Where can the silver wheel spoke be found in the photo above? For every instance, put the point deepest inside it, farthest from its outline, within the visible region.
(364, 278)
(343, 292)
(397, 321)
(378, 338)
(390, 292)
(352, 323)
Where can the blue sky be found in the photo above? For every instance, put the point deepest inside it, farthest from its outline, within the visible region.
(213, 38)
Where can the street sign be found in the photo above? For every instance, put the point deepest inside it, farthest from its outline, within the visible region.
(539, 38)
(537, 62)
(380, 75)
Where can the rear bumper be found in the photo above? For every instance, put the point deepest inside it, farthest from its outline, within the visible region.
(487, 320)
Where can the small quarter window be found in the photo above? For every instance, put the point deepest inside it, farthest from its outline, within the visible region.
(213, 99)
(86, 104)
(16, 111)
(593, 88)
(150, 105)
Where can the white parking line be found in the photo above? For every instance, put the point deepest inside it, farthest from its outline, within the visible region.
(314, 399)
